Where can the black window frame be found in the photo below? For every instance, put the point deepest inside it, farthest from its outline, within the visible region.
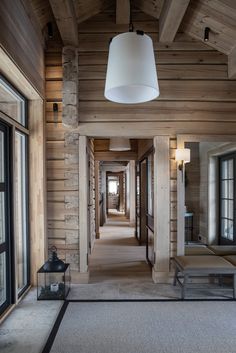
(12, 126)
(8, 248)
(21, 96)
(222, 240)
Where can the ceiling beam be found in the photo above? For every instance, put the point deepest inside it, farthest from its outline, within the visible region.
(170, 18)
(64, 14)
(115, 156)
(232, 64)
(122, 12)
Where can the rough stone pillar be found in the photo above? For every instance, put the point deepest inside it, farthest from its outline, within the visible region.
(71, 200)
(70, 98)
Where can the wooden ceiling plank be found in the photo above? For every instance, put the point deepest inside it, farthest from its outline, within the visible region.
(150, 7)
(122, 12)
(170, 18)
(232, 64)
(64, 14)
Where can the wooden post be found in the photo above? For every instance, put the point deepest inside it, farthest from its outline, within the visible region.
(180, 205)
(37, 187)
(97, 199)
(127, 191)
(83, 204)
(132, 192)
(161, 209)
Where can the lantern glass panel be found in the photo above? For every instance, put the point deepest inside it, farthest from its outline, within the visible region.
(53, 285)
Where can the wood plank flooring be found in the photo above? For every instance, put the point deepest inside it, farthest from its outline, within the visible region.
(116, 256)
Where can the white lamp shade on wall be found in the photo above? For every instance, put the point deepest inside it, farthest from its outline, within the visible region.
(131, 69)
(119, 144)
(182, 155)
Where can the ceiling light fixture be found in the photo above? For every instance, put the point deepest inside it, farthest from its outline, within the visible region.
(119, 144)
(131, 69)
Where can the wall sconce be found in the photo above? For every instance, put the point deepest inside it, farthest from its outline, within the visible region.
(206, 34)
(55, 113)
(182, 156)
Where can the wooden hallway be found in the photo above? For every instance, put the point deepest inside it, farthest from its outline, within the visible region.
(117, 256)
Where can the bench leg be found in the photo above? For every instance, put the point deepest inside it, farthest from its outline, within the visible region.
(175, 276)
(184, 285)
(234, 288)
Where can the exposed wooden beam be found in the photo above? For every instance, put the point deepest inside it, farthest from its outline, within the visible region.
(115, 156)
(150, 7)
(64, 14)
(232, 64)
(171, 16)
(122, 12)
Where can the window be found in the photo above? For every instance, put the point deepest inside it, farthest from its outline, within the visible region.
(21, 231)
(113, 187)
(5, 255)
(227, 199)
(12, 103)
(14, 239)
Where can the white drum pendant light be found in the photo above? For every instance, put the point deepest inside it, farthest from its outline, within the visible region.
(131, 70)
(119, 144)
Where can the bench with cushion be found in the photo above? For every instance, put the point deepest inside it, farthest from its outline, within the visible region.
(198, 250)
(190, 266)
(223, 250)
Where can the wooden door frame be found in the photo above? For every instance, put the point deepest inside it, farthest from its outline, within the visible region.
(181, 140)
(160, 271)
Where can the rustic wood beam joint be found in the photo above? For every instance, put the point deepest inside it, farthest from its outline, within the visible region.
(232, 64)
(122, 11)
(171, 16)
(65, 16)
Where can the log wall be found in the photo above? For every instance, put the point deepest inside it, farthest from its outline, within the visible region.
(196, 98)
(22, 40)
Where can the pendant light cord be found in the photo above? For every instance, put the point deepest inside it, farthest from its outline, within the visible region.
(131, 26)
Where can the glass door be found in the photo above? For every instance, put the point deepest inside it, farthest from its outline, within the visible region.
(5, 273)
(227, 200)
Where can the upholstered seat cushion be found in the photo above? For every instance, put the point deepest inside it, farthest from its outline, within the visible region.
(223, 250)
(198, 250)
(231, 259)
(204, 263)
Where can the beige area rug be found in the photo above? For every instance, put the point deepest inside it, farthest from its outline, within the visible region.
(145, 327)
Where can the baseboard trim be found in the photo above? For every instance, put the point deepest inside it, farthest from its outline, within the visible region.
(79, 277)
(162, 277)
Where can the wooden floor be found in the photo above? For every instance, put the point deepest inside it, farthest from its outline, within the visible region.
(117, 256)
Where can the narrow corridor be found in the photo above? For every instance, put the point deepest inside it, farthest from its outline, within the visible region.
(117, 257)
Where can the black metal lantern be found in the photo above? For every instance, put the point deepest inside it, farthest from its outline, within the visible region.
(53, 278)
(54, 264)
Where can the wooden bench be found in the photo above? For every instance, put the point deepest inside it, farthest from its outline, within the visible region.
(201, 266)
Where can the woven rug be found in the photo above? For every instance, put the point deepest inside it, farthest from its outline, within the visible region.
(144, 327)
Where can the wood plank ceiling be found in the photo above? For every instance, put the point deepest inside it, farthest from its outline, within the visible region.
(189, 16)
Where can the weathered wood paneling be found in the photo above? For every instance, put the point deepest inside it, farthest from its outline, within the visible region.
(193, 81)
(22, 41)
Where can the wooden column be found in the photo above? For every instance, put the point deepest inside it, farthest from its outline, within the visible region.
(180, 205)
(37, 187)
(83, 206)
(97, 198)
(161, 209)
(121, 183)
(70, 96)
(127, 189)
(132, 192)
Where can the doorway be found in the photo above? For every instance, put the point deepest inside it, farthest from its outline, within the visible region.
(121, 217)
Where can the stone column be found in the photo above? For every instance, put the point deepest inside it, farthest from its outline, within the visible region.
(71, 199)
(70, 97)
